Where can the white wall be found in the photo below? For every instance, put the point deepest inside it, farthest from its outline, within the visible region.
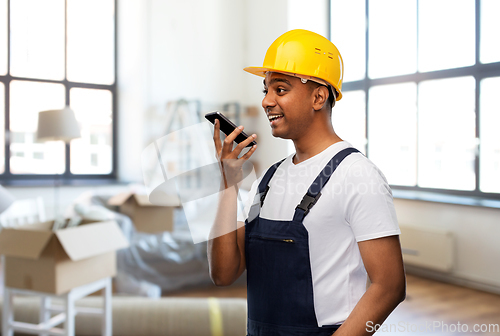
(193, 49)
(266, 20)
(477, 236)
(133, 85)
(196, 50)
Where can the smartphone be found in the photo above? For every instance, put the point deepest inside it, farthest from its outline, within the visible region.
(227, 126)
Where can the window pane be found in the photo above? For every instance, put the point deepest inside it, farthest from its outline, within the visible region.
(490, 137)
(446, 134)
(392, 51)
(91, 46)
(37, 38)
(2, 128)
(3, 37)
(490, 31)
(349, 119)
(348, 24)
(27, 155)
(446, 34)
(92, 153)
(390, 119)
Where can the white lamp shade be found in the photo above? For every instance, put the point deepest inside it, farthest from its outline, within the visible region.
(6, 199)
(57, 125)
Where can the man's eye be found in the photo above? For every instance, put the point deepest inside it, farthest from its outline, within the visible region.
(280, 90)
(264, 92)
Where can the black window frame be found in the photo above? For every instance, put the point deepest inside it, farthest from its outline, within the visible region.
(8, 178)
(478, 71)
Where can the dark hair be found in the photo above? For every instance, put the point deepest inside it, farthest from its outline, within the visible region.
(331, 96)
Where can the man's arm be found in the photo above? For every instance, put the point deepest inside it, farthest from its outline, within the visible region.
(226, 256)
(384, 265)
(226, 245)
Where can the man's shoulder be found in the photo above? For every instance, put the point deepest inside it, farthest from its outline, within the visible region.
(358, 166)
(278, 164)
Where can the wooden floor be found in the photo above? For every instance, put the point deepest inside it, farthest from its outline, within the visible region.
(431, 303)
(431, 308)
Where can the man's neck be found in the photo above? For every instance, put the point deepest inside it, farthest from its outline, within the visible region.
(310, 146)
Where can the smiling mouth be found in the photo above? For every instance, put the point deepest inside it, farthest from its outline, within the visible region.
(275, 117)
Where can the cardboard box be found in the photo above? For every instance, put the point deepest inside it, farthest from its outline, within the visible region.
(146, 216)
(36, 258)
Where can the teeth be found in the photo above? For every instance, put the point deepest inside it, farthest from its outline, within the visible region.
(272, 117)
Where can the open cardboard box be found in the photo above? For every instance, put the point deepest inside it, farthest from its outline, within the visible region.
(147, 217)
(36, 258)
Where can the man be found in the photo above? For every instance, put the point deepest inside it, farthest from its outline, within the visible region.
(317, 222)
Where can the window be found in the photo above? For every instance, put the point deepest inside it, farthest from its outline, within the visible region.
(349, 119)
(426, 80)
(401, 110)
(350, 16)
(55, 53)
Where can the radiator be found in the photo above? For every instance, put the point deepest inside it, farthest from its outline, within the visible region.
(427, 247)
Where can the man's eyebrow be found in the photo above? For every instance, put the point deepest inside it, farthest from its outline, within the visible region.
(274, 80)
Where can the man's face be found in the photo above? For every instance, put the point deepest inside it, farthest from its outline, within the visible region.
(288, 102)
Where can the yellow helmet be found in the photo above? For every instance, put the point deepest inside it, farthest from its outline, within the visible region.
(304, 54)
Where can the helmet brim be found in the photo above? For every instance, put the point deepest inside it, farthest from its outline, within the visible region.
(257, 71)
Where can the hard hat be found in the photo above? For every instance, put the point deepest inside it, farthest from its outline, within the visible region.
(302, 53)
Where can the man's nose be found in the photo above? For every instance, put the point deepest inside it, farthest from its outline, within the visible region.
(268, 101)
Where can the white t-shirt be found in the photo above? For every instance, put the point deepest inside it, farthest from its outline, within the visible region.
(356, 205)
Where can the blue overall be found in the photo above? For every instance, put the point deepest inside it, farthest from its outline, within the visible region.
(279, 279)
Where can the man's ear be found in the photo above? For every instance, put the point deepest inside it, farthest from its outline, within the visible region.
(320, 95)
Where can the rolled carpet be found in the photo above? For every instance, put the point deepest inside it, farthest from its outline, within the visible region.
(136, 316)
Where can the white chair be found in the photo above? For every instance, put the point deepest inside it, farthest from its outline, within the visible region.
(28, 211)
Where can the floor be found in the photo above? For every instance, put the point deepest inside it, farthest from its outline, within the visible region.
(431, 308)
(435, 308)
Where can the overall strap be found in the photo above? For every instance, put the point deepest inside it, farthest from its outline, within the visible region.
(314, 191)
(264, 183)
(262, 191)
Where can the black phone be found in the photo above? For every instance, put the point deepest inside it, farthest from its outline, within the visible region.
(227, 126)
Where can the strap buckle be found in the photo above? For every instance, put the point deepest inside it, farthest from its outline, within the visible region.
(308, 202)
(263, 196)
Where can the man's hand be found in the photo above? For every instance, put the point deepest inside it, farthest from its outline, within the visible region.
(231, 165)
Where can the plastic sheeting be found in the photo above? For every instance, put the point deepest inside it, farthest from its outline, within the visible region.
(168, 259)
(183, 164)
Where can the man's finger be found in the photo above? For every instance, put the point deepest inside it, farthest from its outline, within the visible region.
(227, 146)
(217, 141)
(237, 150)
(235, 133)
(247, 155)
